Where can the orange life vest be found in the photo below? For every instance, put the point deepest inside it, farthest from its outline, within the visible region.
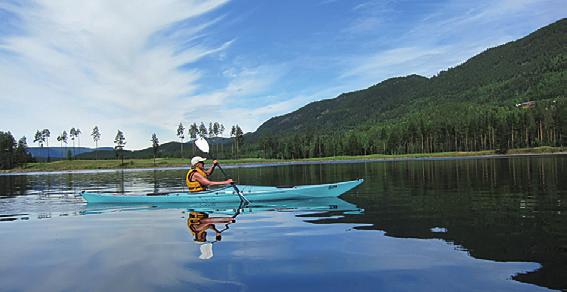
(195, 186)
(193, 222)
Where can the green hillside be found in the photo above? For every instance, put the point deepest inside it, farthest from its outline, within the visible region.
(372, 103)
(469, 107)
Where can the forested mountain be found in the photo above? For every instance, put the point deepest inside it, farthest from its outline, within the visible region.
(473, 106)
(348, 110)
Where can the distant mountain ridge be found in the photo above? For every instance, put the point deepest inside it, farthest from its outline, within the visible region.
(168, 149)
(61, 152)
(530, 68)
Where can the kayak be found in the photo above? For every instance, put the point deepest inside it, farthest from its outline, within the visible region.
(228, 195)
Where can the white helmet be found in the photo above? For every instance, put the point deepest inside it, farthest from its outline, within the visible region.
(206, 251)
(197, 159)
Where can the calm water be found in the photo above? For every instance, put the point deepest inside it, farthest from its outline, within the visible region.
(476, 224)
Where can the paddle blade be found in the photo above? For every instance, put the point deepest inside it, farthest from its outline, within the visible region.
(202, 144)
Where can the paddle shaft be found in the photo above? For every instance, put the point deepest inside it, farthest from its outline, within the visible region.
(233, 185)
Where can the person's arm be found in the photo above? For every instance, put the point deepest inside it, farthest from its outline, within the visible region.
(212, 168)
(204, 181)
(220, 220)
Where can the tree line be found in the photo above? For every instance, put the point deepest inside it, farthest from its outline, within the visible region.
(214, 130)
(42, 138)
(13, 153)
(456, 126)
(451, 127)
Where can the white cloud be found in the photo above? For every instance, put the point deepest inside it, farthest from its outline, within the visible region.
(244, 100)
(364, 25)
(106, 63)
(394, 62)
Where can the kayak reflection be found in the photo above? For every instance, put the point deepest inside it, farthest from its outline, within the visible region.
(218, 208)
(204, 219)
(200, 220)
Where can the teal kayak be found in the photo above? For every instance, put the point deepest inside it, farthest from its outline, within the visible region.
(228, 195)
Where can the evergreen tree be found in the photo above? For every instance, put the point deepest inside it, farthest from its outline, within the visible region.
(233, 134)
(211, 131)
(202, 130)
(78, 135)
(72, 135)
(38, 138)
(155, 146)
(62, 139)
(238, 135)
(7, 150)
(221, 132)
(120, 142)
(193, 131)
(45, 133)
(22, 155)
(181, 135)
(96, 137)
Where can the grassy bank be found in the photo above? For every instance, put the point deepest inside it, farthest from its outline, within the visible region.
(64, 165)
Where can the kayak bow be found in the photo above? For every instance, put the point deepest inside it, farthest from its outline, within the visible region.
(252, 193)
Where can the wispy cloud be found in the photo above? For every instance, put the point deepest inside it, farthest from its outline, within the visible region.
(243, 100)
(103, 62)
(369, 16)
(394, 62)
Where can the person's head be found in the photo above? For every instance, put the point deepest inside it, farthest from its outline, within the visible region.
(198, 161)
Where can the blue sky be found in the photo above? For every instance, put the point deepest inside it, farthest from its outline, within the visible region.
(144, 66)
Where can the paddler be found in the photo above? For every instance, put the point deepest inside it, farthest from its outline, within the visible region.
(197, 177)
(199, 223)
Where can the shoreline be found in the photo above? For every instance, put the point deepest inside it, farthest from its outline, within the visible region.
(130, 166)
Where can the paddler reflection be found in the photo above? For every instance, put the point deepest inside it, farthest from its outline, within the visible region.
(199, 223)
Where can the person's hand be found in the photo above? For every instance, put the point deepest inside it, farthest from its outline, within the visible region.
(229, 181)
(215, 162)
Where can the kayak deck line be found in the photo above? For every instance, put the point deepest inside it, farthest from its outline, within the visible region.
(227, 194)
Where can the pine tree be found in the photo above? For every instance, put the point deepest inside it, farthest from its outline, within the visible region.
(181, 135)
(155, 146)
(120, 142)
(96, 137)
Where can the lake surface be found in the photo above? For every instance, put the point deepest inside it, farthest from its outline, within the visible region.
(472, 224)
